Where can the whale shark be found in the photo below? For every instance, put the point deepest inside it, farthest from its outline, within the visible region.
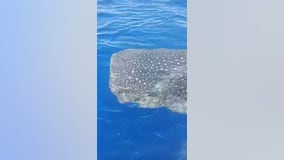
(151, 78)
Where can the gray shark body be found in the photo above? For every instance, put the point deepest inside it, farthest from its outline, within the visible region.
(150, 77)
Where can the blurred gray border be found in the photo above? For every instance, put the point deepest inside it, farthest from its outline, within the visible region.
(235, 80)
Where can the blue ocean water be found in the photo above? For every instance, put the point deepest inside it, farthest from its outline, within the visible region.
(125, 131)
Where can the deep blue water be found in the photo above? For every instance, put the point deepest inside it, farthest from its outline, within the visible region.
(125, 131)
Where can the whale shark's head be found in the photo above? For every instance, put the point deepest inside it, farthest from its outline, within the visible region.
(150, 77)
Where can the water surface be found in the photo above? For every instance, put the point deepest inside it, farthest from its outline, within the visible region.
(125, 131)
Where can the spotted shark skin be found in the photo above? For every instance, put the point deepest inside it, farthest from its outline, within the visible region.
(150, 77)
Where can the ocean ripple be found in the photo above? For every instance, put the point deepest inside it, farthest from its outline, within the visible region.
(120, 20)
